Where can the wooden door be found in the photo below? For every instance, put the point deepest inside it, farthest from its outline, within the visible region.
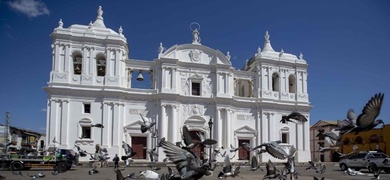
(138, 144)
(198, 150)
(242, 153)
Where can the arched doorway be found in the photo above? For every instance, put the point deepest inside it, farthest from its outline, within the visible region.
(198, 150)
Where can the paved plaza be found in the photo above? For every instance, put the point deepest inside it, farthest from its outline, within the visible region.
(332, 172)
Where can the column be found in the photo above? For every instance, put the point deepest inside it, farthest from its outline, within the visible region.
(92, 62)
(68, 60)
(299, 82)
(258, 129)
(265, 128)
(228, 128)
(175, 124)
(104, 134)
(108, 62)
(163, 124)
(218, 128)
(115, 128)
(173, 83)
(85, 60)
(56, 56)
(54, 122)
(65, 130)
(118, 53)
(304, 82)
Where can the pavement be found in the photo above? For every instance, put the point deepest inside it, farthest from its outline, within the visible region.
(333, 172)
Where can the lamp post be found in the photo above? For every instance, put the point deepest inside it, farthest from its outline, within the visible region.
(210, 127)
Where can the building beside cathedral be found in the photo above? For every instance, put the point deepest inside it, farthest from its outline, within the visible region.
(92, 82)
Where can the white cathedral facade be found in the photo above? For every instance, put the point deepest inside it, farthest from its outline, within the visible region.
(190, 84)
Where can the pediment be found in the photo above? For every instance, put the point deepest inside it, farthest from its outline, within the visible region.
(245, 130)
(194, 53)
(195, 121)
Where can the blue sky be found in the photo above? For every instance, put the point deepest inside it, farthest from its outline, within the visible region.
(346, 44)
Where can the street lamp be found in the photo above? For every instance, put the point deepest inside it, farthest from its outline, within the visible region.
(210, 127)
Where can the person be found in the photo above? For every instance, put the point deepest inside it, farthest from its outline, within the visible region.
(116, 161)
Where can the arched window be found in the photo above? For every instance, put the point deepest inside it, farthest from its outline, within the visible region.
(359, 140)
(275, 82)
(101, 64)
(292, 85)
(374, 138)
(77, 62)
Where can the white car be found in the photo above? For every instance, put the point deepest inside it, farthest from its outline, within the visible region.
(366, 160)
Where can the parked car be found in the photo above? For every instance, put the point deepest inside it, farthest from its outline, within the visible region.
(366, 160)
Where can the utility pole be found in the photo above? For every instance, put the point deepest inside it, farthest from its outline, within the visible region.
(6, 126)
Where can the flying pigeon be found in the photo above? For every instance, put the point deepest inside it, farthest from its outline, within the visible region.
(187, 163)
(234, 149)
(147, 124)
(82, 153)
(294, 117)
(246, 146)
(186, 136)
(367, 119)
(275, 150)
(128, 150)
(97, 125)
(204, 141)
(312, 165)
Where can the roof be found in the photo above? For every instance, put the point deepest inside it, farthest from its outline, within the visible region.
(321, 123)
(28, 131)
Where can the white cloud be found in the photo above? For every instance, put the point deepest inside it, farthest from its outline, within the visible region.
(31, 8)
(43, 110)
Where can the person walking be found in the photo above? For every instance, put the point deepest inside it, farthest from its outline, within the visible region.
(116, 161)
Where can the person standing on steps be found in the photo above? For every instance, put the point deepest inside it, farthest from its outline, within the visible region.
(116, 161)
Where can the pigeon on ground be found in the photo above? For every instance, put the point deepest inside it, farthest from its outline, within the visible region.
(147, 123)
(312, 165)
(367, 119)
(93, 171)
(322, 169)
(149, 174)
(228, 170)
(351, 172)
(294, 117)
(17, 173)
(271, 171)
(254, 164)
(316, 178)
(2, 177)
(188, 164)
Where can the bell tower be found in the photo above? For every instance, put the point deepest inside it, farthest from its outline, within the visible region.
(89, 54)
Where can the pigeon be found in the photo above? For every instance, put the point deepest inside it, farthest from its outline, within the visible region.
(204, 141)
(228, 170)
(55, 172)
(316, 178)
(131, 176)
(119, 175)
(271, 171)
(17, 173)
(32, 176)
(98, 125)
(55, 141)
(41, 175)
(2, 177)
(186, 136)
(93, 171)
(351, 172)
(275, 150)
(170, 175)
(149, 174)
(234, 149)
(82, 153)
(188, 164)
(367, 119)
(246, 146)
(332, 138)
(312, 165)
(322, 169)
(254, 164)
(153, 154)
(128, 150)
(290, 165)
(147, 124)
(298, 118)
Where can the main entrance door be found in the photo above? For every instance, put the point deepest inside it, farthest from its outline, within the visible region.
(198, 150)
(138, 144)
(242, 153)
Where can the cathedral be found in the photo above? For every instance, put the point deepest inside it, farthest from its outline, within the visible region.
(94, 81)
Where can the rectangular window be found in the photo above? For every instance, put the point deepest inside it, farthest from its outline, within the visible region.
(87, 108)
(284, 137)
(86, 132)
(195, 89)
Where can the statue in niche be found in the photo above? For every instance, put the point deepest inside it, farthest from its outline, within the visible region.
(195, 110)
